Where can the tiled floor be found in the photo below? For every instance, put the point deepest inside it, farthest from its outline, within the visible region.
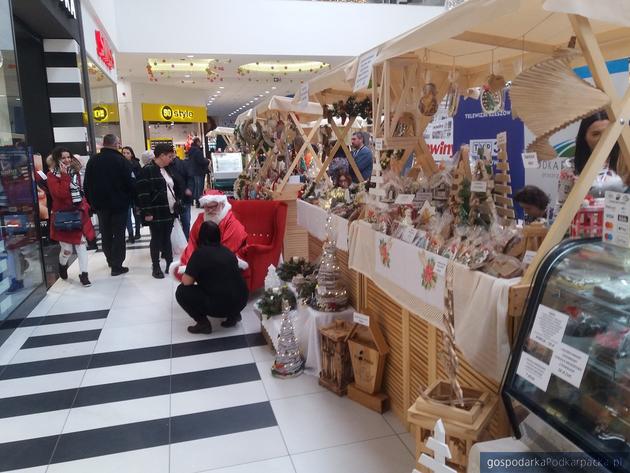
(107, 379)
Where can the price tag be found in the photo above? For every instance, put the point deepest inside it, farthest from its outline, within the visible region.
(405, 199)
(408, 234)
(364, 70)
(529, 257)
(530, 160)
(361, 319)
(440, 265)
(377, 179)
(502, 138)
(478, 186)
(378, 144)
(303, 95)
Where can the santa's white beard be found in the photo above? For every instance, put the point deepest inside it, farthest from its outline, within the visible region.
(215, 218)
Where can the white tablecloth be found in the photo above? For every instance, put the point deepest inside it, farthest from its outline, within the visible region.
(307, 322)
(313, 219)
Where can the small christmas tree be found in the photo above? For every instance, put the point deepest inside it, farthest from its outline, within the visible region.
(330, 295)
(289, 362)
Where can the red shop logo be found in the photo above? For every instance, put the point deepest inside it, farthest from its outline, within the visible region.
(103, 50)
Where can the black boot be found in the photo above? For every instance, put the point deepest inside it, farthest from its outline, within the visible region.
(63, 271)
(157, 272)
(168, 266)
(205, 328)
(83, 277)
(231, 321)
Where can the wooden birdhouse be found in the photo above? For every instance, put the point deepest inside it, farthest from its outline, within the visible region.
(368, 351)
(336, 371)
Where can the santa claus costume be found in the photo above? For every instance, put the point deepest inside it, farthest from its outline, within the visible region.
(233, 234)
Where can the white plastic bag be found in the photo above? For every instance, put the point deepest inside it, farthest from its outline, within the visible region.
(178, 239)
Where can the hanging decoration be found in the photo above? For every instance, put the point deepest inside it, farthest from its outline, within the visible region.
(491, 98)
(351, 108)
(453, 94)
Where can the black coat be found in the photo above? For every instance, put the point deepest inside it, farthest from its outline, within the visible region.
(136, 169)
(108, 184)
(181, 169)
(199, 164)
(153, 193)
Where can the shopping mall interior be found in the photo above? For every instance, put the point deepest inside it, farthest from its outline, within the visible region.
(314, 236)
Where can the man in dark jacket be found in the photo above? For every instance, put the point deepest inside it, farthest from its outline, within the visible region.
(108, 188)
(181, 170)
(199, 167)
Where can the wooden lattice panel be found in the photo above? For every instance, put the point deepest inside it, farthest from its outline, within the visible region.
(389, 316)
(351, 279)
(295, 237)
(419, 356)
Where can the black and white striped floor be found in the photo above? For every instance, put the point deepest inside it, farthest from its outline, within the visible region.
(107, 379)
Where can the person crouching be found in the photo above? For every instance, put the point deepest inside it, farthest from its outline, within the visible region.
(212, 284)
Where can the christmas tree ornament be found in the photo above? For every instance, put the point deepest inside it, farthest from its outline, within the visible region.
(289, 362)
(330, 295)
(272, 279)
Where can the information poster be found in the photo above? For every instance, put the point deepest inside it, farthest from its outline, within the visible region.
(617, 219)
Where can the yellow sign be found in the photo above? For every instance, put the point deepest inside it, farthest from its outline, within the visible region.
(105, 113)
(153, 112)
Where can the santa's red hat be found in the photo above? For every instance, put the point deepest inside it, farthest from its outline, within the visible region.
(212, 195)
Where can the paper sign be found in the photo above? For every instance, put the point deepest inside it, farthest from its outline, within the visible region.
(378, 144)
(534, 371)
(478, 186)
(530, 160)
(408, 234)
(569, 364)
(303, 95)
(364, 70)
(529, 257)
(405, 199)
(549, 326)
(294, 179)
(502, 138)
(617, 219)
(485, 148)
(440, 265)
(377, 192)
(361, 319)
(377, 179)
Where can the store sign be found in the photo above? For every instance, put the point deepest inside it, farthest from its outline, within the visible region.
(173, 113)
(68, 6)
(364, 70)
(103, 50)
(105, 113)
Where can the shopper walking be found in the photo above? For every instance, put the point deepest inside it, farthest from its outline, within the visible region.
(181, 169)
(362, 156)
(212, 284)
(158, 197)
(70, 223)
(199, 168)
(109, 190)
(135, 168)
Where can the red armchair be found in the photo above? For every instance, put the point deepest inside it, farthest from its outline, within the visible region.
(265, 223)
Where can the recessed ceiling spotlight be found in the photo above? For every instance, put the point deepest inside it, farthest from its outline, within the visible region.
(221, 87)
(191, 55)
(273, 88)
(266, 91)
(187, 76)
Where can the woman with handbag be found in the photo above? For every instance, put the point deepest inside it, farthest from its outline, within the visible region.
(159, 193)
(70, 224)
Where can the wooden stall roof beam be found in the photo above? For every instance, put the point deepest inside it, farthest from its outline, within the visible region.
(508, 43)
(298, 156)
(341, 143)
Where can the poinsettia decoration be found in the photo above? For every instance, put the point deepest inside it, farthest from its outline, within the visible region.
(384, 248)
(429, 275)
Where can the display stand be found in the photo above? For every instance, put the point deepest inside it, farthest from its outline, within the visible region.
(502, 191)
(224, 132)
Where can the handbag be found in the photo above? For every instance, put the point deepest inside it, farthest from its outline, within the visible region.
(68, 221)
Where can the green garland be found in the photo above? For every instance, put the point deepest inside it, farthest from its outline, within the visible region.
(289, 269)
(270, 304)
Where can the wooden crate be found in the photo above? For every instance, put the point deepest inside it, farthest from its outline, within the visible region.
(351, 279)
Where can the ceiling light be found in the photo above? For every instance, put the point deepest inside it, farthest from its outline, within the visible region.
(198, 65)
(187, 76)
(221, 87)
(191, 55)
(266, 91)
(282, 67)
(273, 88)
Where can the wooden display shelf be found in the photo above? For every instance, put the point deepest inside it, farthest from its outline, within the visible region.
(295, 237)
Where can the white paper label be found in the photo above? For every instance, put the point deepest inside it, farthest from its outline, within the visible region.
(377, 179)
(530, 160)
(364, 70)
(502, 138)
(440, 265)
(529, 257)
(377, 192)
(549, 326)
(405, 199)
(534, 371)
(303, 95)
(569, 364)
(378, 144)
(478, 186)
(294, 179)
(361, 319)
(617, 219)
(408, 234)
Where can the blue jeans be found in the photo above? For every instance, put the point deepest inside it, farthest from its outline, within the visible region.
(185, 218)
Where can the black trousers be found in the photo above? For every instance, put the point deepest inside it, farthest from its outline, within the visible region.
(112, 225)
(161, 241)
(199, 304)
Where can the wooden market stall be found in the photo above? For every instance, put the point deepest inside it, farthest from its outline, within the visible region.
(464, 48)
(225, 132)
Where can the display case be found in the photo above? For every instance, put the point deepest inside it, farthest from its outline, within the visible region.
(570, 367)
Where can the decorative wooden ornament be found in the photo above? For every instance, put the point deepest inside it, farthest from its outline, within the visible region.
(502, 191)
(549, 96)
(428, 101)
(336, 371)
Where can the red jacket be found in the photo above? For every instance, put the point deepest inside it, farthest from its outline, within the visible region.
(62, 201)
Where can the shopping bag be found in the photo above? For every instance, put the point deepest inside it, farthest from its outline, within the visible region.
(178, 239)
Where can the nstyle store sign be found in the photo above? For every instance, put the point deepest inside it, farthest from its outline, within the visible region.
(69, 7)
(105, 113)
(152, 112)
(103, 50)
